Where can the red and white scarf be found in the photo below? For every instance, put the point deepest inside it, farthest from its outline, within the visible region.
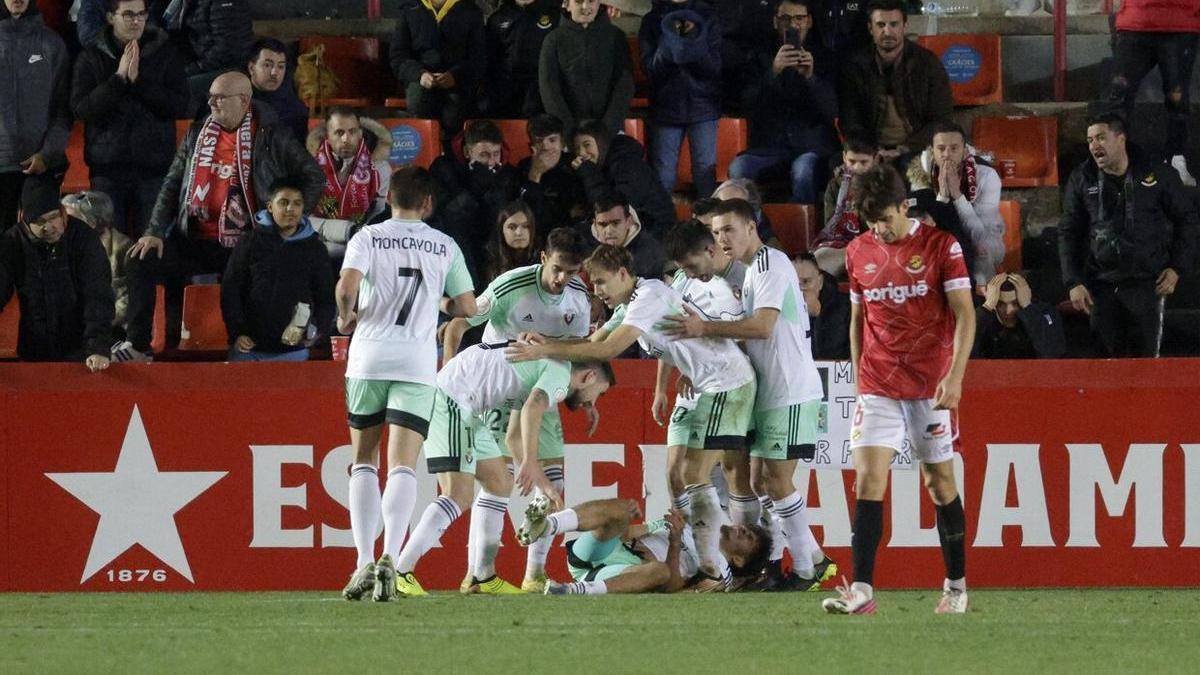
(353, 200)
(235, 217)
(970, 183)
(843, 224)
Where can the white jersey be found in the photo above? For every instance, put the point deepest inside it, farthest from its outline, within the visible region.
(516, 303)
(480, 379)
(717, 299)
(407, 266)
(714, 365)
(784, 362)
(658, 541)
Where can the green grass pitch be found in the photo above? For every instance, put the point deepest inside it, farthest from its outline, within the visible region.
(1009, 632)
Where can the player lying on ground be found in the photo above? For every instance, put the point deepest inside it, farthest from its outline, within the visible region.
(912, 325)
(461, 450)
(614, 556)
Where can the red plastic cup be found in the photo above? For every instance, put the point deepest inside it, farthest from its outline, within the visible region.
(340, 346)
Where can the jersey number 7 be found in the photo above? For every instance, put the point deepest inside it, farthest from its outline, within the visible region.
(415, 275)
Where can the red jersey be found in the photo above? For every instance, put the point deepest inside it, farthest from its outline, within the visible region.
(908, 328)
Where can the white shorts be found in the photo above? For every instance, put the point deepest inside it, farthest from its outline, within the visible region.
(885, 422)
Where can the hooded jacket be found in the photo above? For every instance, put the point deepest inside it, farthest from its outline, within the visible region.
(684, 71)
(275, 154)
(268, 276)
(649, 260)
(129, 125)
(921, 86)
(623, 169)
(35, 112)
(65, 291)
(1104, 237)
(586, 73)
(447, 40)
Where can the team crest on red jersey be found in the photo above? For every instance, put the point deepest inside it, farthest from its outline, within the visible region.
(916, 264)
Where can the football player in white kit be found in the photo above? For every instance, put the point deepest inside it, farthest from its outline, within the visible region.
(393, 280)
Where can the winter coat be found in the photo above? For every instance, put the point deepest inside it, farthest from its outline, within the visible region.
(1159, 16)
(555, 197)
(745, 24)
(623, 170)
(220, 34)
(515, 35)
(921, 87)
(586, 73)
(288, 107)
(92, 19)
(336, 232)
(275, 154)
(1103, 237)
(1037, 335)
(268, 276)
(468, 200)
(129, 125)
(35, 106)
(455, 44)
(65, 293)
(684, 72)
(649, 260)
(789, 110)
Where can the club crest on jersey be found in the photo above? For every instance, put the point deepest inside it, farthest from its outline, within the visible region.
(915, 264)
(1149, 180)
(528, 318)
(569, 318)
(544, 21)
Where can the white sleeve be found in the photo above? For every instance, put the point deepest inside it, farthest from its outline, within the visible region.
(644, 312)
(771, 286)
(358, 253)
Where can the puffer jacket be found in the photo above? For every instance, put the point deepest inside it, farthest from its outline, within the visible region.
(35, 107)
(129, 125)
(455, 44)
(684, 71)
(220, 33)
(1159, 16)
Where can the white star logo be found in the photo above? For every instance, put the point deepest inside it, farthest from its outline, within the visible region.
(137, 503)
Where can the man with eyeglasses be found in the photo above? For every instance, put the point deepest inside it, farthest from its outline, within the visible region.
(61, 276)
(221, 175)
(35, 120)
(128, 89)
(794, 105)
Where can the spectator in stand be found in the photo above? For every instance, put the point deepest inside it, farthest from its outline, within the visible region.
(515, 32)
(745, 25)
(1126, 235)
(471, 191)
(924, 206)
(842, 26)
(1161, 33)
(219, 34)
(961, 179)
(268, 70)
(35, 120)
(585, 71)
(439, 54)
(681, 55)
(128, 89)
(515, 242)
(614, 164)
(1010, 325)
(894, 91)
(614, 225)
(747, 190)
(222, 171)
(794, 104)
(352, 152)
(57, 268)
(828, 310)
(95, 209)
(92, 18)
(277, 292)
(548, 183)
(841, 219)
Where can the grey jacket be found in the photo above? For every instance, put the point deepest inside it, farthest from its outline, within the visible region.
(35, 110)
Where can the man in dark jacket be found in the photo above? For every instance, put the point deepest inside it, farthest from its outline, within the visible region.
(438, 53)
(1010, 325)
(792, 106)
(35, 112)
(894, 90)
(92, 18)
(129, 88)
(549, 185)
(221, 173)
(585, 70)
(745, 26)
(268, 70)
(614, 164)
(515, 33)
(63, 283)
(614, 225)
(218, 35)
(278, 283)
(828, 310)
(1126, 235)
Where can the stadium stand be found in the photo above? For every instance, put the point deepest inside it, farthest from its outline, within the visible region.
(795, 225)
(732, 137)
(972, 62)
(1024, 149)
(1010, 211)
(203, 329)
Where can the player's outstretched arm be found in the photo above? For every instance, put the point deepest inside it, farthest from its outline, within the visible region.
(346, 295)
(461, 305)
(609, 348)
(456, 328)
(658, 409)
(949, 390)
(691, 325)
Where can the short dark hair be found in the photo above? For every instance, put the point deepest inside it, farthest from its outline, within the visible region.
(735, 207)
(609, 258)
(704, 206)
(1111, 119)
(609, 201)
(345, 111)
(687, 238)
(482, 131)
(409, 187)
(757, 561)
(876, 191)
(286, 183)
(604, 367)
(567, 242)
(861, 145)
(1007, 286)
(806, 257)
(597, 130)
(947, 127)
(270, 44)
(887, 6)
(544, 125)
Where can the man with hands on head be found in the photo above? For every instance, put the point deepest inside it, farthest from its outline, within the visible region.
(1010, 325)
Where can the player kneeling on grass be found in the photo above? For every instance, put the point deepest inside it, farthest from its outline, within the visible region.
(461, 450)
(718, 370)
(912, 325)
(615, 556)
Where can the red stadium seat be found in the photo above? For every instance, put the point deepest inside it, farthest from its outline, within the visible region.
(972, 62)
(414, 141)
(636, 129)
(733, 136)
(683, 212)
(397, 102)
(356, 62)
(158, 334)
(1011, 212)
(203, 328)
(516, 139)
(1024, 149)
(795, 225)
(9, 320)
(78, 177)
